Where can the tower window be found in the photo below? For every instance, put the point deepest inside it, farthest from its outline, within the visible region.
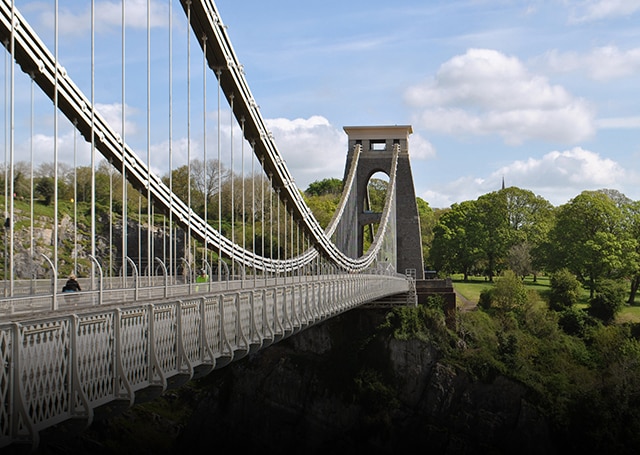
(378, 145)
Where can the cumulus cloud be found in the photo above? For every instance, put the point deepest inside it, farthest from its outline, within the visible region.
(486, 92)
(312, 148)
(593, 10)
(557, 176)
(601, 63)
(112, 114)
(560, 175)
(420, 148)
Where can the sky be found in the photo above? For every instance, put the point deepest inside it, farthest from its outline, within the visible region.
(543, 93)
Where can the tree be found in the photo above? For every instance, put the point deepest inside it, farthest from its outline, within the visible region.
(530, 219)
(608, 300)
(493, 235)
(589, 239)
(509, 293)
(45, 188)
(565, 290)
(331, 186)
(453, 249)
(519, 259)
(631, 213)
(323, 207)
(427, 223)
(376, 194)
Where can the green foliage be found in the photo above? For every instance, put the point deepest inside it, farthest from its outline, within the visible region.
(331, 186)
(453, 248)
(608, 300)
(590, 239)
(45, 189)
(425, 322)
(575, 321)
(486, 298)
(427, 222)
(323, 206)
(509, 293)
(565, 290)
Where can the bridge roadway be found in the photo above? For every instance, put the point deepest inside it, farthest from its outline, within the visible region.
(69, 364)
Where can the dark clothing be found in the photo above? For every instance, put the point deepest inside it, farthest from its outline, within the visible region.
(71, 286)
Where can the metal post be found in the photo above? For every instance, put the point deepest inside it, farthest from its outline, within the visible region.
(188, 266)
(95, 261)
(54, 279)
(166, 280)
(135, 277)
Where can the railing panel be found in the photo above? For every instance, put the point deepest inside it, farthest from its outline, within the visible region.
(258, 323)
(244, 305)
(6, 390)
(96, 357)
(213, 325)
(230, 319)
(45, 371)
(190, 328)
(166, 336)
(134, 346)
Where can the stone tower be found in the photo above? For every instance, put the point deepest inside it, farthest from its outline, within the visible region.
(377, 150)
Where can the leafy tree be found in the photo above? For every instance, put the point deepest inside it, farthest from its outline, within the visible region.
(427, 223)
(631, 211)
(530, 219)
(322, 187)
(376, 194)
(575, 321)
(453, 248)
(565, 290)
(608, 300)
(492, 236)
(589, 239)
(45, 188)
(509, 293)
(519, 259)
(322, 206)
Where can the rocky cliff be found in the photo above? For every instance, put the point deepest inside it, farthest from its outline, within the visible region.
(338, 388)
(343, 386)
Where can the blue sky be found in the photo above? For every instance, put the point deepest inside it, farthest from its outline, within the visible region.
(541, 93)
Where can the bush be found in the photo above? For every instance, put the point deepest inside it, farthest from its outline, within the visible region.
(509, 294)
(574, 321)
(486, 298)
(565, 290)
(608, 301)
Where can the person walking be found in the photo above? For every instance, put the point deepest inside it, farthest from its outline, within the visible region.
(72, 284)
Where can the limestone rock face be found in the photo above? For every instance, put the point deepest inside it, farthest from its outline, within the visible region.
(333, 388)
(321, 390)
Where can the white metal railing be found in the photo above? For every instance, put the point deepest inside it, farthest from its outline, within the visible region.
(65, 365)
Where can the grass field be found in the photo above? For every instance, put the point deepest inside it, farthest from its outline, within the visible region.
(472, 288)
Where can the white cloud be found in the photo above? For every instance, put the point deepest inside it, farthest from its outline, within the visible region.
(312, 148)
(601, 63)
(420, 148)
(486, 92)
(112, 114)
(76, 21)
(558, 176)
(592, 10)
(561, 175)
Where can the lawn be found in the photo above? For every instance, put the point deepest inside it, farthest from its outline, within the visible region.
(472, 288)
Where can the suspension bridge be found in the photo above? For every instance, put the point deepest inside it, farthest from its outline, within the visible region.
(182, 273)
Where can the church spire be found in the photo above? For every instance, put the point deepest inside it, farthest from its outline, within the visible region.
(503, 182)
